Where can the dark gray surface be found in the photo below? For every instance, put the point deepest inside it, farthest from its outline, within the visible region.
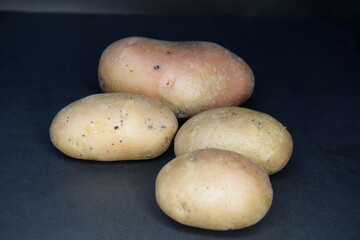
(334, 9)
(307, 76)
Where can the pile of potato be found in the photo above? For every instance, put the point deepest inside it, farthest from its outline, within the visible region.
(224, 153)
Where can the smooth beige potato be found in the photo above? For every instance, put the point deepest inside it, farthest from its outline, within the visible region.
(190, 77)
(114, 126)
(254, 134)
(214, 189)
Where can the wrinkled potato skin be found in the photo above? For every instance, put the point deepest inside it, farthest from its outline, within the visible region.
(114, 126)
(254, 134)
(214, 189)
(189, 77)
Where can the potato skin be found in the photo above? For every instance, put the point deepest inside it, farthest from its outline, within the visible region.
(254, 134)
(190, 77)
(114, 126)
(214, 189)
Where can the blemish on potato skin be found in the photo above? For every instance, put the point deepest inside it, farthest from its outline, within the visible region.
(148, 155)
(157, 67)
(116, 127)
(257, 122)
(181, 112)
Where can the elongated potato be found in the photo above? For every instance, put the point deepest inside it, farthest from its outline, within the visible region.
(214, 189)
(256, 135)
(114, 126)
(190, 77)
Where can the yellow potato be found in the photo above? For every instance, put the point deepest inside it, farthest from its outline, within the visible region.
(256, 135)
(114, 126)
(189, 77)
(214, 189)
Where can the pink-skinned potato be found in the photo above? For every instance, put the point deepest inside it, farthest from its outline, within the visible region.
(190, 77)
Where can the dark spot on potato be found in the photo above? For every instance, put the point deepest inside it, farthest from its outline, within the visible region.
(150, 127)
(156, 67)
(116, 127)
(91, 122)
(233, 114)
(112, 144)
(90, 148)
(80, 155)
(83, 135)
(163, 126)
(168, 53)
(167, 83)
(120, 141)
(181, 112)
(131, 70)
(257, 122)
(166, 140)
(69, 139)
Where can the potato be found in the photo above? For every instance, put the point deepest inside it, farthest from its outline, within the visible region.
(214, 189)
(114, 126)
(256, 135)
(189, 77)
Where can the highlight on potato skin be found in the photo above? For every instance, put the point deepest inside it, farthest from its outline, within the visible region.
(254, 134)
(190, 77)
(113, 127)
(214, 189)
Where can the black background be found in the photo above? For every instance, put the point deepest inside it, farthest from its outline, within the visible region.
(307, 76)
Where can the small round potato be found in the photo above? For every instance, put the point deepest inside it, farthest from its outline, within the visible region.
(114, 126)
(256, 135)
(190, 77)
(214, 189)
